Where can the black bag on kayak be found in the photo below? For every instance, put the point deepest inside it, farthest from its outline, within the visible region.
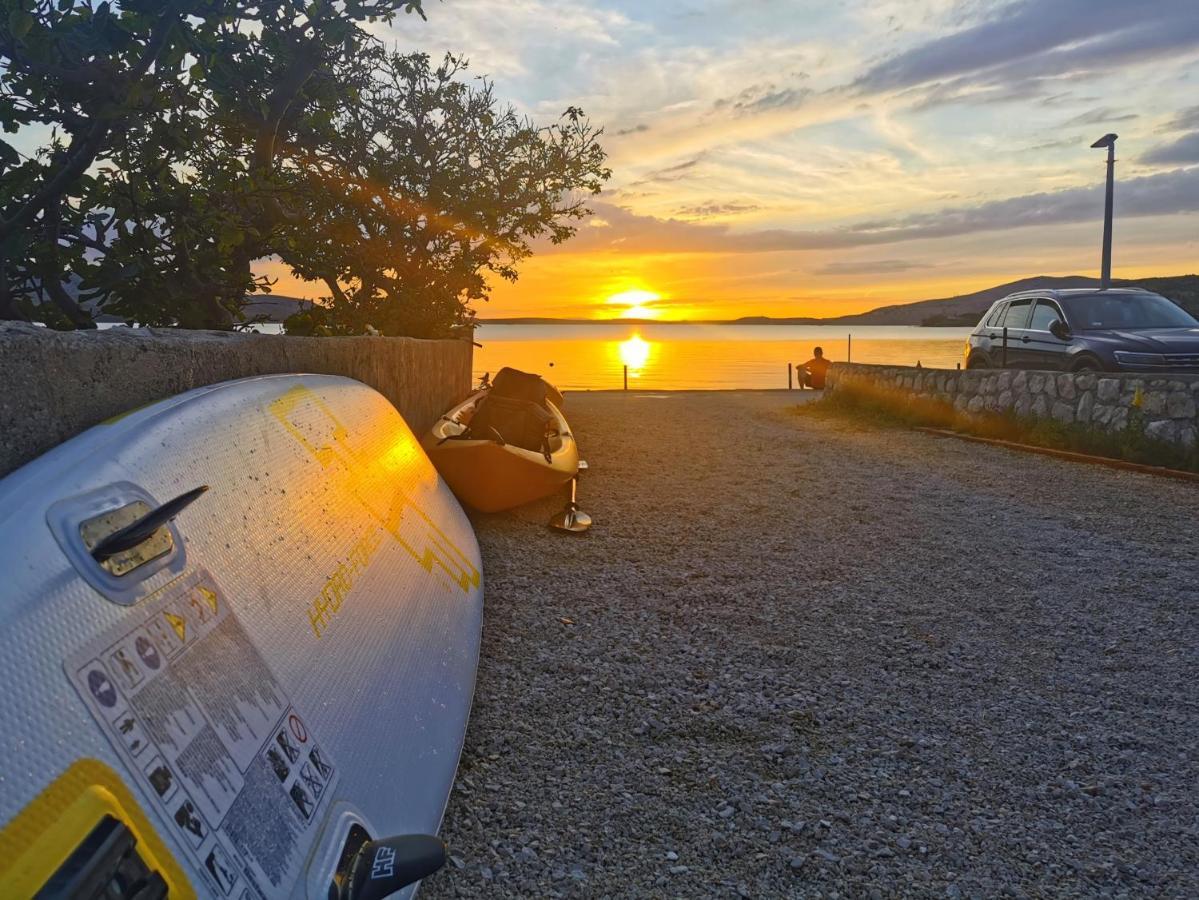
(517, 385)
(521, 423)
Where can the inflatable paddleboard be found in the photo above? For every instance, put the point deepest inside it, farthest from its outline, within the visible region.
(232, 703)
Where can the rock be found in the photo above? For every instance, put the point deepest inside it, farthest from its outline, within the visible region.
(1036, 382)
(976, 404)
(679, 870)
(1063, 412)
(1005, 400)
(1085, 381)
(1086, 404)
(1050, 386)
(1108, 389)
(1022, 405)
(671, 855)
(1162, 430)
(1020, 382)
(1040, 407)
(1153, 403)
(1180, 405)
(1065, 386)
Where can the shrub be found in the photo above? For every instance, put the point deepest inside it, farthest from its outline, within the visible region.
(899, 408)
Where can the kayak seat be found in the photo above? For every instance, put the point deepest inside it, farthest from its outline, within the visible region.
(522, 423)
(517, 385)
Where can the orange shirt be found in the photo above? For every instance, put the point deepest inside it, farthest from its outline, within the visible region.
(817, 366)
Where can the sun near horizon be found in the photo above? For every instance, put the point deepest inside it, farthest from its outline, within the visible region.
(633, 303)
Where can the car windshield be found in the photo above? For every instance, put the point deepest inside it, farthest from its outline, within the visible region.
(1092, 312)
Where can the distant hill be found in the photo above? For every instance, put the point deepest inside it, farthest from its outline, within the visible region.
(966, 309)
(962, 310)
(261, 307)
(275, 307)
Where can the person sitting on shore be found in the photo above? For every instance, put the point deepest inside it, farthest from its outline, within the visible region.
(811, 373)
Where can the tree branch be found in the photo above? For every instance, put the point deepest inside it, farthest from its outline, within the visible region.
(80, 158)
(50, 274)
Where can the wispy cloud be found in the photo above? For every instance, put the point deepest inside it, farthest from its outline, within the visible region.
(1183, 151)
(1167, 193)
(1033, 38)
(1184, 121)
(759, 98)
(870, 267)
(1102, 115)
(712, 209)
(676, 172)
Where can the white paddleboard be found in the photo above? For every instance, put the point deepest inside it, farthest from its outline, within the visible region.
(288, 668)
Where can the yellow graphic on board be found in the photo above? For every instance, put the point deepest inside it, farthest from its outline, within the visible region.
(376, 478)
(328, 602)
(179, 624)
(208, 595)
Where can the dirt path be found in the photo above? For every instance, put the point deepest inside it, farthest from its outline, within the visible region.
(800, 656)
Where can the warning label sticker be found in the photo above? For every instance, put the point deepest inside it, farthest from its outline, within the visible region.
(205, 728)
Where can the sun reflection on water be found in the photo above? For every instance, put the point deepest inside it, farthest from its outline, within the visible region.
(635, 353)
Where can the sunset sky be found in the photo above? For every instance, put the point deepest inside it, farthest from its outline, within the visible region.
(816, 158)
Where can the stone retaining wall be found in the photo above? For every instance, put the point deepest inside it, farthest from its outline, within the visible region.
(54, 384)
(1166, 404)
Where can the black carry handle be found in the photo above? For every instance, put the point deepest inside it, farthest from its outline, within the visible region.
(383, 867)
(136, 532)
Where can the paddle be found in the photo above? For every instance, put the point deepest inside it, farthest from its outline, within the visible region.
(571, 518)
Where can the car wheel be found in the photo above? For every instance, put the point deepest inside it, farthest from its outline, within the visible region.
(1086, 364)
(976, 361)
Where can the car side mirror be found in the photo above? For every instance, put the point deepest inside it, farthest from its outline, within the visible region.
(1059, 330)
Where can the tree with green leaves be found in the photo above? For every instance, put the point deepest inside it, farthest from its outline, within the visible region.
(428, 185)
(183, 141)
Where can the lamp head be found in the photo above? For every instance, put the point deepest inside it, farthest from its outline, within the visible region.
(1106, 141)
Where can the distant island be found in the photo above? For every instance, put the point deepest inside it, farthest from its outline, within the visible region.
(963, 310)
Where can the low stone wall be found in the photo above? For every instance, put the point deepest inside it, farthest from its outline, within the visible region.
(54, 385)
(1163, 406)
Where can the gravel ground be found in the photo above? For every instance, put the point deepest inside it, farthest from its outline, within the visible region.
(799, 656)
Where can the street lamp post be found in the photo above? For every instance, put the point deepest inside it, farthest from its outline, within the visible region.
(1105, 276)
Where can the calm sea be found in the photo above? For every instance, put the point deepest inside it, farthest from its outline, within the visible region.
(693, 356)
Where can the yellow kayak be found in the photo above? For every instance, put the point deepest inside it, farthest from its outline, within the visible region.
(499, 449)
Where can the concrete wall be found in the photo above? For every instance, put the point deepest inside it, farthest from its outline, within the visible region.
(56, 384)
(1167, 404)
